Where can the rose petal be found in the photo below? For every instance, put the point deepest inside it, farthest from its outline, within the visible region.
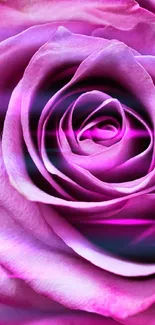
(18, 51)
(16, 16)
(97, 161)
(147, 61)
(15, 292)
(141, 142)
(128, 234)
(23, 15)
(140, 37)
(51, 273)
(91, 99)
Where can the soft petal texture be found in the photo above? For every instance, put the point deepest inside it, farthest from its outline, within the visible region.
(34, 221)
(85, 248)
(22, 14)
(147, 61)
(12, 148)
(18, 51)
(139, 37)
(51, 272)
(59, 271)
(15, 292)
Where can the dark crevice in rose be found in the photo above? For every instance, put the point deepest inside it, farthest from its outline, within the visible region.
(140, 140)
(36, 176)
(117, 240)
(116, 90)
(45, 91)
(52, 126)
(7, 86)
(141, 278)
(63, 166)
(126, 175)
(139, 135)
(146, 4)
(84, 112)
(51, 144)
(80, 195)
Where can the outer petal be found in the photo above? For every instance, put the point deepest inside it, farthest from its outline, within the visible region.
(70, 280)
(139, 37)
(52, 272)
(15, 292)
(17, 15)
(18, 51)
(34, 222)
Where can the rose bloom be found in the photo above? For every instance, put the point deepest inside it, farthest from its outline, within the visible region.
(77, 163)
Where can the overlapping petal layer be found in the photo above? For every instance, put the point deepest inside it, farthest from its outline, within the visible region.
(18, 15)
(75, 178)
(78, 150)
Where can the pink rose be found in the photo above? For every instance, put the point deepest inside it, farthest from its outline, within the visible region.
(77, 168)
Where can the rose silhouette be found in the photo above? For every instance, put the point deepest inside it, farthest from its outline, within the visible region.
(77, 163)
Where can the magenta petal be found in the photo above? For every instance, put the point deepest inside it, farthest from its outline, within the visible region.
(103, 159)
(51, 273)
(143, 32)
(96, 255)
(15, 16)
(15, 292)
(18, 51)
(35, 222)
(46, 270)
(71, 137)
(148, 62)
